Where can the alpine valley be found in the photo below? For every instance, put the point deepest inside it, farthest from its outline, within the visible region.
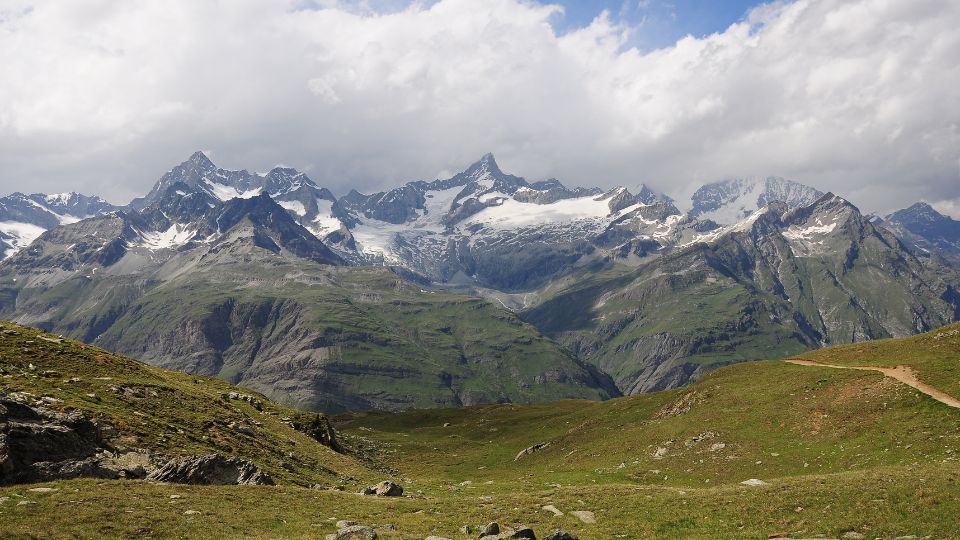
(478, 288)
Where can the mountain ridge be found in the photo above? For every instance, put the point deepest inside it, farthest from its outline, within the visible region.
(212, 282)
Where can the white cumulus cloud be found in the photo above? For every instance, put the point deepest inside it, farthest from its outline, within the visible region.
(854, 96)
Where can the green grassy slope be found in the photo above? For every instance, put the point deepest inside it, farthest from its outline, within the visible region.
(840, 451)
(166, 412)
(773, 419)
(318, 337)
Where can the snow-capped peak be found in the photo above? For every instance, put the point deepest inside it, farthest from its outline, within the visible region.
(730, 201)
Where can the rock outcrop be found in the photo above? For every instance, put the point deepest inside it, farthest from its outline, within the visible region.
(39, 444)
(384, 489)
(213, 469)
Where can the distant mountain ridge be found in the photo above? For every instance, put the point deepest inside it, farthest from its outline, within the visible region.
(270, 281)
(782, 281)
(730, 201)
(923, 228)
(24, 217)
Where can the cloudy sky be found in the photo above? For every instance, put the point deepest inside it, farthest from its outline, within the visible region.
(854, 96)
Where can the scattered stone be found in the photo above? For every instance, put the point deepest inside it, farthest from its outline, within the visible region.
(368, 491)
(853, 535)
(699, 438)
(43, 490)
(240, 428)
(191, 512)
(446, 424)
(660, 452)
(319, 428)
(130, 465)
(466, 529)
(356, 532)
(554, 509)
(492, 529)
(254, 402)
(437, 538)
(753, 482)
(522, 533)
(717, 446)
(213, 469)
(388, 489)
(585, 516)
(680, 406)
(24, 503)
(560, 534)
(531, 449)
(344, 523)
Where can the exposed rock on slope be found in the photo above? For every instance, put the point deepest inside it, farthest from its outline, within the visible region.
(778, 283)
(25, 217)
(211, 469)
(730, 201)
(235, 290)
(927, 231)
(79, 411)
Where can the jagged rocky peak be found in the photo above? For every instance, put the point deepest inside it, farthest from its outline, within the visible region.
(200, 160)
(828, 205)
(730, 201)
(268, 225)
(487, 163)
(23, 218)
(925, 230)
(198, 173)
(647, 195)
(620, 198)
(919, 214)
(485, 176)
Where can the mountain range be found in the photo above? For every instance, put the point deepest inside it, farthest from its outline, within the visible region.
(482, 287)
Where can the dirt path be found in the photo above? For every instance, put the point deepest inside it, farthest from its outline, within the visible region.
(901, 373)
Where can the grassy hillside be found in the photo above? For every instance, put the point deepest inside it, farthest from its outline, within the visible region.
(773, 419)
(167, 412)
(315, 337)
(839, 451)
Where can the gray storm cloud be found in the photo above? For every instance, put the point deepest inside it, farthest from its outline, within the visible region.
(857, 97)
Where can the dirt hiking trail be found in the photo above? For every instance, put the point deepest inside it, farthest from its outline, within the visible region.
(901, 373)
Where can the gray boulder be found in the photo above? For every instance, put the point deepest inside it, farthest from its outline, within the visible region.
(561, 535)
(492, 529)
(212, 469)
(355, 532)
(388, 489)
(531, 450)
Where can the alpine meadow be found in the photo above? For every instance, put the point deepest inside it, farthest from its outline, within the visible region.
(480, 269)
